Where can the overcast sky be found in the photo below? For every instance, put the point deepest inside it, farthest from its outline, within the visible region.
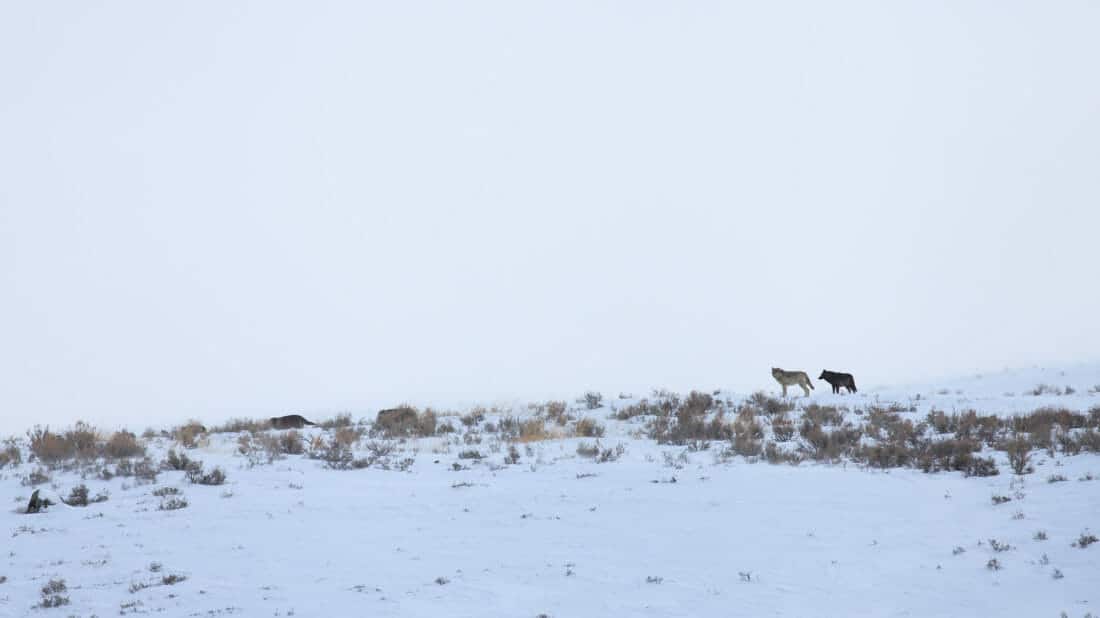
(211, 209)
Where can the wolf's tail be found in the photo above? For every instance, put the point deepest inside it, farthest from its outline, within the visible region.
(810, 382)
(308, 422)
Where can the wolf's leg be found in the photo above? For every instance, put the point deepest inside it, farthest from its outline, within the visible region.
(804, 389)
(784, 389)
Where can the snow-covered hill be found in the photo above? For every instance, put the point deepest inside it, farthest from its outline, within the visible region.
(466, 523)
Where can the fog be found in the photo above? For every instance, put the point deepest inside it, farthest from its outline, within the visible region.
(217, 209)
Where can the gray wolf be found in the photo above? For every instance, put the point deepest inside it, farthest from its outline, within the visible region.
(792, 378)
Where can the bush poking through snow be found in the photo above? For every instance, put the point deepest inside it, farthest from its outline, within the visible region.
(1085, 540)
(123, 444)
(340, 420)
(196, 475)
(513, 455)
(174, 461)
(585, 449)
(556, 411)
(37, 476)
(593, 400)
(52, 448)
(173, 503)
(600, 454)
(188, 434)
(79, 496)
(589, 428)
(10, 454)
(52, 594)
(173, 579)
(1019, 455)
(770, 405)
(143, 470)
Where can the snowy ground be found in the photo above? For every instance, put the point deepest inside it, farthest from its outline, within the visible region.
(662, 531)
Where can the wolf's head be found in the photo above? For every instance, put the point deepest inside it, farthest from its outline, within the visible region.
(776, 371)
(822, 376)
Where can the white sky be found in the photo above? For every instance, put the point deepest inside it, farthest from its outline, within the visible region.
(212, 208)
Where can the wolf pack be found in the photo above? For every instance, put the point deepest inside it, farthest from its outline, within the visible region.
(836, 379)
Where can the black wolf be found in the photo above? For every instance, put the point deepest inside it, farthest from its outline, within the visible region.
(837, 380)
(291, 421)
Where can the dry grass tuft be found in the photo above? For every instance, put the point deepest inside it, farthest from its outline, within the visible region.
(123, 444)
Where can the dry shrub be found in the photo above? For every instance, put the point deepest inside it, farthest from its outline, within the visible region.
(238, 425)
(748, 434)
(1088, 441)
(593, 400)
(782, 428)
(49, 447)
(823, 415)
(291, 443)
(143, 470)
(824, 445)
(885, 455)
(84, 439)
(1040, 424)
(10, 454)
(426, 423)
(774, 455)
(533, 430)
(555, 411)
(600, 454)
(589, 428)
(1018, 450)
(943, 455)
(942, 423)
(347, 436)
(642, 408)
(585, 449)
(770, 405)
(689, 422)
(176, 461)
(340, 420)
(37, 476)
(982, 428)
(696, 404)
(196, 475)
(123, 444)
(885, 425)
(188, 434)
(473, 417)
(744, 443)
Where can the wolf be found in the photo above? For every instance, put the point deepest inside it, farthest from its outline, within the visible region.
(792, 378)
(290, 421)
(837, 380)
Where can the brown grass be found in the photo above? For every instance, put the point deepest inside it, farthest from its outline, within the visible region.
(188, 434)
(588, 428)
(123, 444)
(10, 454)
(237, 425)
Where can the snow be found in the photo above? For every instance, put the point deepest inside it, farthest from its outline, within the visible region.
(562, 535)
